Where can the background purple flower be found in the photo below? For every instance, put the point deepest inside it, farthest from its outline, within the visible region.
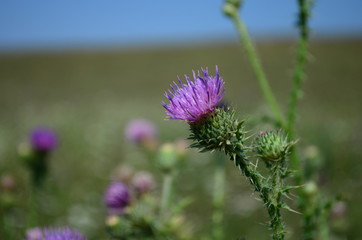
(61, 233)
(43, 139)
(116, 198)
(194, 100)
(139, 130)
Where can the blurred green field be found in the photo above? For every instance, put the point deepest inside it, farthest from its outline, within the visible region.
(89, 96)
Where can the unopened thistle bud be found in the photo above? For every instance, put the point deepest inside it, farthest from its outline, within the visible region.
(143, 182)
(167, 157)
(123, 173)
(272, 146)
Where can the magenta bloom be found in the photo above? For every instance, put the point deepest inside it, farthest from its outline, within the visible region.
(194, 100)
(139, 130)
(43, 139)
(61, 233)
(116, 198)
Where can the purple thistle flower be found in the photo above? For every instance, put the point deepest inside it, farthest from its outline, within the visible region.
(60, 233)
(194, 100)
(43, 139)
(116, 198)
(139, 130)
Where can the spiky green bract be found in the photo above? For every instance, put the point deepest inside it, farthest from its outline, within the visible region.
(221, 131)
(272, 146)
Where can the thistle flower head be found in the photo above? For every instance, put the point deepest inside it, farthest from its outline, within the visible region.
(61, 233)
(116, 198)
(43, 139)
(139, 130)
(194, 100)
(272, 145)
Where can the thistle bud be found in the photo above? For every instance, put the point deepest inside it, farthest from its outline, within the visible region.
(272, 146)
(167, 157)
(25, 152)
(143, 182)
(112, 221)
(8, 182)
(310, 189)
(123, 173)
(220, 131)
(229, 9)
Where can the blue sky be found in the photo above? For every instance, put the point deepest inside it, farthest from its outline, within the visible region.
(76, 23)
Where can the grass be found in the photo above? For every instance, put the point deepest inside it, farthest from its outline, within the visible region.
(88, 97)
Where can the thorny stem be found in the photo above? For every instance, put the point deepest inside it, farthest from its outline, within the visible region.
(298, 77)
(218, 197)
(309, 217)
(256, 65)
(166, 192)
(270, 195)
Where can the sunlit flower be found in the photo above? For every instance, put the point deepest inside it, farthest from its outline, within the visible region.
(194, 100)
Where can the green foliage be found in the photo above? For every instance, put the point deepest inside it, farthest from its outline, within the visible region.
(141, 221)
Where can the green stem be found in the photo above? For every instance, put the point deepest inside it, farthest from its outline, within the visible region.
(256, 65)
(298, 76)
(218, 197)
(166, 192)
(33, 207)
(271, 195)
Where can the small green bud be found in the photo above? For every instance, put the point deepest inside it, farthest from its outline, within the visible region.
(229, 9)
(112, 221)
(310, 188)
(25, 152)
(167, 157)
(272, 146)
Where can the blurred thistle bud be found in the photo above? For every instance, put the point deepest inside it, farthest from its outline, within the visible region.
(43, 139)
(116, 198)
(112, 221)
(176, 222)
(143, 182)
(142, 132)
(8, 182)
(272, 146)
(182, 148)
(167, 157)
(339, 209)
(313, 161)
(310, 189)
(123, 173)
(25, 151)
(230, 8)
